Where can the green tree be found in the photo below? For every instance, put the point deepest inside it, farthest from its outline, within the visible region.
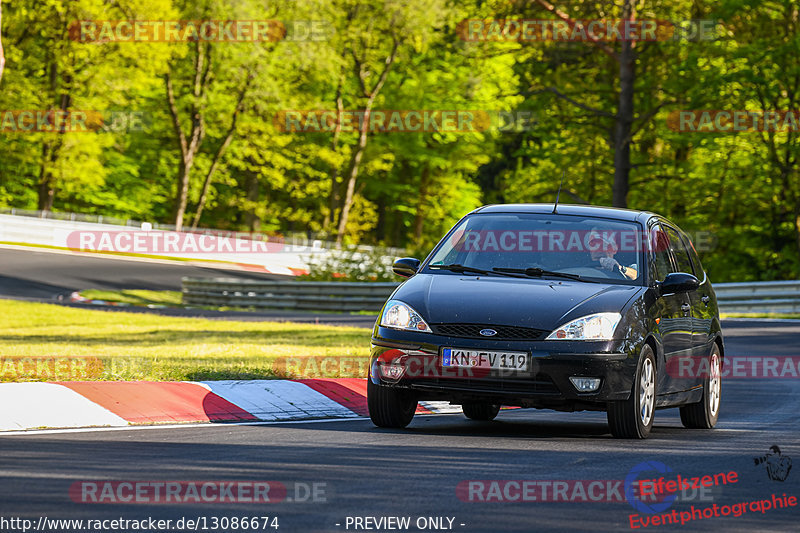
(2, 55)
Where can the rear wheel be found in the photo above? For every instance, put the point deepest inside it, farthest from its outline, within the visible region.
(480, 411)
(705, 413)
(633, 418)
(390, 407)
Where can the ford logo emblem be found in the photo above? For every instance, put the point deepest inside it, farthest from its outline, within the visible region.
(488, 332)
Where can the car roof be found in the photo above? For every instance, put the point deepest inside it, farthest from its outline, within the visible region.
(569, 209)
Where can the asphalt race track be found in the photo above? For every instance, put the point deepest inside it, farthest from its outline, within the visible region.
(46, 275)
(368, 472)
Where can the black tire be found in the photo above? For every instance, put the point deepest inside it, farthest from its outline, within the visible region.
(390, 407)
(705, 413)
(483, 412)
(633, 418)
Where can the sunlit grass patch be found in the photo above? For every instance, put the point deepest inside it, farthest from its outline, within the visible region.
(135, 346)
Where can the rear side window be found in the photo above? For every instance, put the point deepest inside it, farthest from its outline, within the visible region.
(698, 267)
(660, 263)
(679, 252)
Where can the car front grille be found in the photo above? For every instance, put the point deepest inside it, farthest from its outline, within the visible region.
(472, 331)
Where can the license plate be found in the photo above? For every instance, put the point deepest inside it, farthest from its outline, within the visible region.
(484, 359)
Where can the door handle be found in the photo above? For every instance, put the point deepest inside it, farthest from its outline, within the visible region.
(706, 299)
(686, 308)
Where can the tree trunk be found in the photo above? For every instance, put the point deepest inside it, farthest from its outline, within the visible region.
(624, 118)
(185, 162)
(333, 192)
(52, 150)
(380, 224)
(250, 216)
(188, 152)
(191, 145)
(419, 217)
(46, 191)
(220, 152)
(355, 160)
(182, 194)
(2, 55)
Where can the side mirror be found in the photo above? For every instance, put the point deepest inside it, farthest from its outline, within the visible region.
(406, 266)
(678, 282)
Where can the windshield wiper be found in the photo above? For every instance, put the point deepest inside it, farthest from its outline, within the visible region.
(535, 272)
(455, 267)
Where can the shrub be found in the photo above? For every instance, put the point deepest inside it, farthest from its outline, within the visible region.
(352, 263)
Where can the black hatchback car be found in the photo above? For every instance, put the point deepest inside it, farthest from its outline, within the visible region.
(568, 308)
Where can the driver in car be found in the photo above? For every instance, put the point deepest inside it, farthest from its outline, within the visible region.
(602, 249)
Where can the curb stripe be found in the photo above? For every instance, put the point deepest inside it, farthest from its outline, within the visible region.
(147, 402)
(277, 399)
(120, 403)
(350, 392)
(37, 405)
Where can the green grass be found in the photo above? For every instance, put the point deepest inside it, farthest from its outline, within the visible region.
(759, 315)
(175, 299)
(133, 346)
(136, 297)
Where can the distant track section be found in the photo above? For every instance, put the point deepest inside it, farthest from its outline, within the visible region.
(28, 274)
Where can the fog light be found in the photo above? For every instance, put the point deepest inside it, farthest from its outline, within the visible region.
(585, 384)
(393, 372)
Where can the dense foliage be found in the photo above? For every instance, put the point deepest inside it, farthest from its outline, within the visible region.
(198, 138)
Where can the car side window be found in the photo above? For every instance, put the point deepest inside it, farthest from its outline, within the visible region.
(660, 263)
(679, 252)
(698, 267)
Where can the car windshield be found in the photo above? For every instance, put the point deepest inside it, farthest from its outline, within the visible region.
(543, 245)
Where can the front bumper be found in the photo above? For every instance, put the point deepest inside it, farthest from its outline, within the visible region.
(546, 384)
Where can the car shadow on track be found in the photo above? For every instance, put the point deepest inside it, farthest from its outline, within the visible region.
(517, 425)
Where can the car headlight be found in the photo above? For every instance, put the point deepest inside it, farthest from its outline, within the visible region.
(592, 327)
(398, 315)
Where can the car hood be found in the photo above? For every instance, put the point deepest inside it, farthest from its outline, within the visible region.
(535, 303)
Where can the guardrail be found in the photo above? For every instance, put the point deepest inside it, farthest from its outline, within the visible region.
(759, 297)
(23, 230)
(290, 255)
(753, 297)
(295, 239)
(298, 295)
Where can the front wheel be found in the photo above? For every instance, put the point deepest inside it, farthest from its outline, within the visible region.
(633, 418)
(390, 407)
(705, 413)
(483, 412)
